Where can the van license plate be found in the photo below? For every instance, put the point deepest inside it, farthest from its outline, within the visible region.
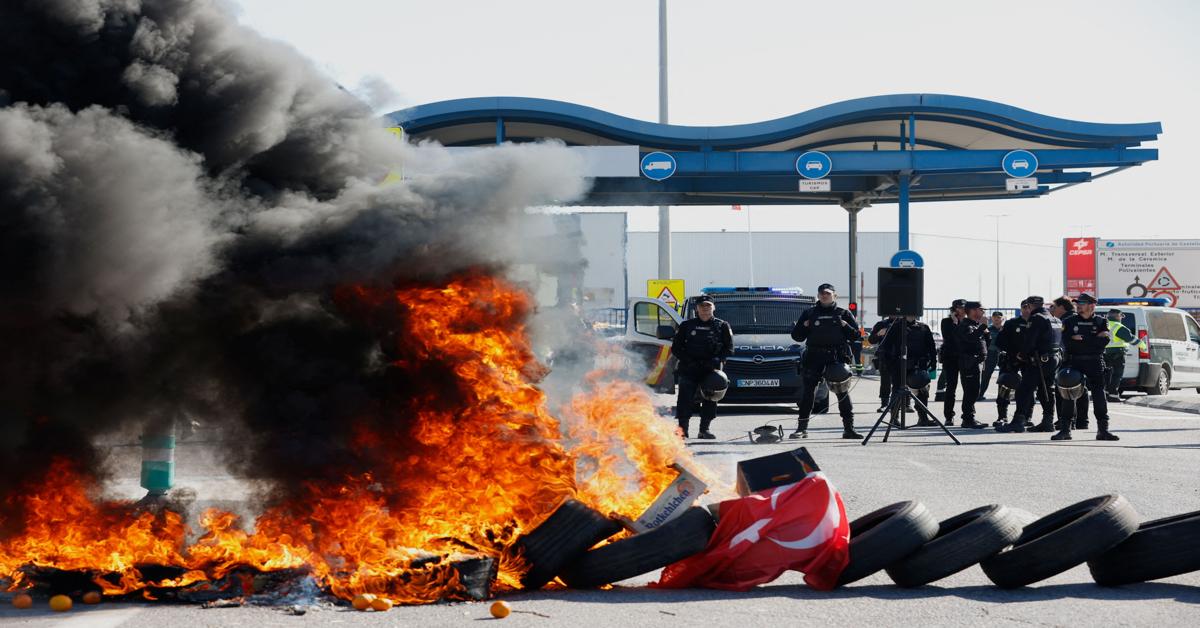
(758, 383)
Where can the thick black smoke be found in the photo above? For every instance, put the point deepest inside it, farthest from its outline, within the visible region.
(179, 200)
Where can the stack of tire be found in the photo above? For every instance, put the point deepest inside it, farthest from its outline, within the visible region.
(904, 539)
(915, 549)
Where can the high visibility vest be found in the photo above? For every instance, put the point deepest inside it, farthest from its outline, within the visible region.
(1114, 342)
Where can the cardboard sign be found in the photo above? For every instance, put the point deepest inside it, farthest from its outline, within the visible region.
(672, 502)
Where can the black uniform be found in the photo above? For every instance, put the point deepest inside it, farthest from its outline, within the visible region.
(1041, 351)
(1008, 345)
(972, 339)
(922, 351)
(700, 347)
(992, 362)
(827, 333)
(1087, 356)
(949, 358)
(876, 339)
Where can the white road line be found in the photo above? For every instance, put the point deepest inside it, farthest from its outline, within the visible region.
(920, 465)
(106, 618)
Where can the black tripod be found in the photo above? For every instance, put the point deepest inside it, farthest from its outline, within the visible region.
(898, 404)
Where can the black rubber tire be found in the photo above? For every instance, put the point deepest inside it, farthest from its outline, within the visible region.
(673, 541)
(1063, 539)
(885, 537)
(961, 541)
(1159, 549)
(562, 538)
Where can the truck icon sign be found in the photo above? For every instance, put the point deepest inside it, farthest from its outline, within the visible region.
(813, 165)
(1020, 163)
(658, 165)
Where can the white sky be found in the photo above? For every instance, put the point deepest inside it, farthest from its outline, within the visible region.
(756, 60)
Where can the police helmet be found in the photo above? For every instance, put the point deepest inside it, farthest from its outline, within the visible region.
(918, 380)
(1070, 383)
(837, 376)
(1007, 384)
(714, 386)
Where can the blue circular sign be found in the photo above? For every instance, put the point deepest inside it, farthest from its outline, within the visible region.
(814, 165)
(1019, 164)
(658, 166)
(907, 258)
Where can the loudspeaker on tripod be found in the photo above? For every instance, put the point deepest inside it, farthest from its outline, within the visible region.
(901, 291)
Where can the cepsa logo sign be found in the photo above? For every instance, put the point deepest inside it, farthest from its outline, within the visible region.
(1082, 246)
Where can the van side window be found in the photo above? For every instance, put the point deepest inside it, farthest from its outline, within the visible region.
(1166, 325)
(647, 318)
(1193, 328)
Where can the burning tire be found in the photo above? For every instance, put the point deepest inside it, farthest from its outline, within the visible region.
(1062, 540)
(886, 536)
(673, 541)
(1159, 549)
(562, 538)
(961, 541)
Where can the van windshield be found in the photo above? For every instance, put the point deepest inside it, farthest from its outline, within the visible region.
(761, 317)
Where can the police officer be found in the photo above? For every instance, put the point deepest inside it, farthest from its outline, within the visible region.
(922, 352)
(1063, 308)
(949, 357)
(1039, 354)
(1008, 342)
(972, 339)
(876, 338)
(1085, 336)
(1119, 337)
(993, 353)
(827, 331)
(700, 346)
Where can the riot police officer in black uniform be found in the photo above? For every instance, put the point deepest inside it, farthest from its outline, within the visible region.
(1008, 343)
(700, 346)
(949, 357)
(922, 352)
(876, 337)
(827, 331)
(1039, 355)
(972, 338)
(1085, 336)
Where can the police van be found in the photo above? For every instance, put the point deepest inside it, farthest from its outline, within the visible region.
(765, 360)
(1167, 353)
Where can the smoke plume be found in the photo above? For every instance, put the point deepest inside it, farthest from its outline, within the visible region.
(180, 200)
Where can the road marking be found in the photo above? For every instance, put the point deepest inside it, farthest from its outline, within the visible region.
(920, 465)
(107, 618)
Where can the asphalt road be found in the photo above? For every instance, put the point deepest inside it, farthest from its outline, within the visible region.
(1156, 466)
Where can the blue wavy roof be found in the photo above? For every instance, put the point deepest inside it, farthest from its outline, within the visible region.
(993, 117)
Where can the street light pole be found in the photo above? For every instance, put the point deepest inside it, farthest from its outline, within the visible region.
(664, 211)
(997, 218)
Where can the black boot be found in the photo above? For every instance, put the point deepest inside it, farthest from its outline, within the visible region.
(683, 426)
(1047, 425)
(1062, 435)
(1102, 432)
(801, 429)
(1016, 427)
(704, 433)
(971, 424)
(848, 429)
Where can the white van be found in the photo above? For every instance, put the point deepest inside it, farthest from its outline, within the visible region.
(1170, 358)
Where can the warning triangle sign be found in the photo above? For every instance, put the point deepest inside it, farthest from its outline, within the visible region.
(668, 297)
(1164, 280)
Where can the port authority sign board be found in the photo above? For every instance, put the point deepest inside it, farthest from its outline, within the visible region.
(1164, 269)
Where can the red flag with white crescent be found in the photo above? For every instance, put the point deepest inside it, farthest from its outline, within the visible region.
(800, 526)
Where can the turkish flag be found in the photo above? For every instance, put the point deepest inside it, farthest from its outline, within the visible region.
(800, 526)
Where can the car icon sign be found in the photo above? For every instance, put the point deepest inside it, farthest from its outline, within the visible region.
(1020, 163)
(813, 165)
(658, 165)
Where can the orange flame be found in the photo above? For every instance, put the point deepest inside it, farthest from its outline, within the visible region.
(484, 461)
